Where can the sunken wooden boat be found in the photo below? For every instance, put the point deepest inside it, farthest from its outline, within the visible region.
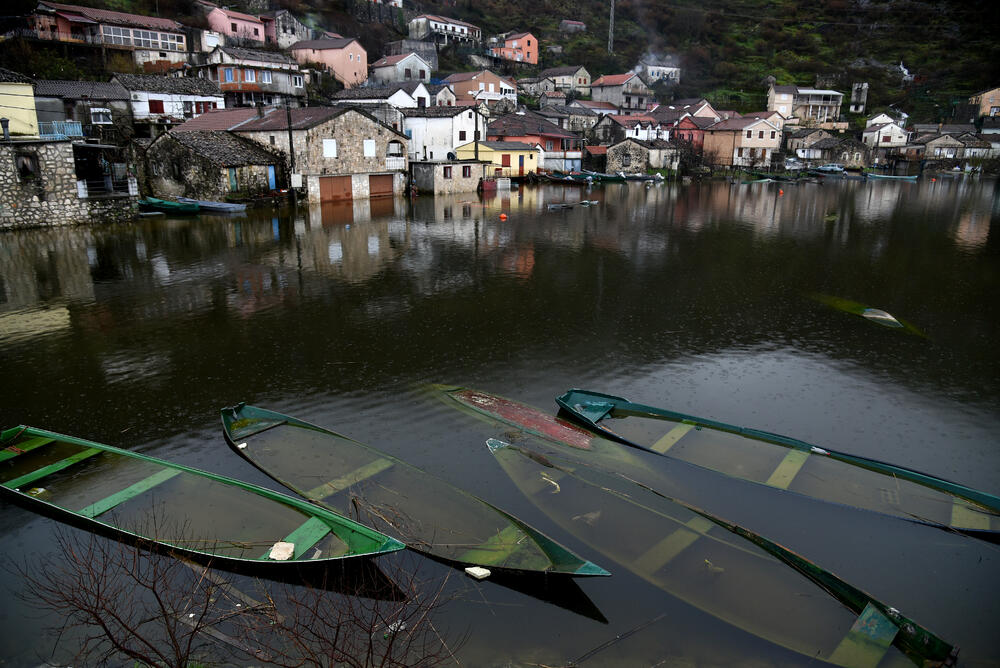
(896, 177)
(717, 566)
(167, 206)
(788, 464)
(387, 494)
(213, 206)
(176, 508)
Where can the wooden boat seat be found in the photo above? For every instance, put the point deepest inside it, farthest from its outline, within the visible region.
(361, 473)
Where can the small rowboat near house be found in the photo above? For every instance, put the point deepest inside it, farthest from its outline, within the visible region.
(177, 508)
(385, 493)
(213, 206)
(789, 464)
(166, 206)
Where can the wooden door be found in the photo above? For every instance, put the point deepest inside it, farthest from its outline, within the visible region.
(380, 185)
(334, 188)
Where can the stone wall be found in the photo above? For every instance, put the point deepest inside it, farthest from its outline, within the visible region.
(49, 196)
(638, 158)
(429, 177)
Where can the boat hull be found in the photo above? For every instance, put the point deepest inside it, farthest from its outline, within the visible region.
(166, 206)
(383, 492)
(175, 508)
(212, 206)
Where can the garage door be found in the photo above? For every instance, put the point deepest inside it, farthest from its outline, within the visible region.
(380, 185)
(334, 188)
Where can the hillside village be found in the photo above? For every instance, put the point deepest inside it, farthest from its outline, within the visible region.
(251, 106)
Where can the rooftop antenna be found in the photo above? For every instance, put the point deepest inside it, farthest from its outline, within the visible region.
(611, 29)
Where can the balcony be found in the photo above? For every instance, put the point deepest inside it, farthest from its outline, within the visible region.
(60, 129)
(395, 162)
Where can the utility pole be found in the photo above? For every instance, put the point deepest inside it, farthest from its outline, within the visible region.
(611, 29)
(291, 150)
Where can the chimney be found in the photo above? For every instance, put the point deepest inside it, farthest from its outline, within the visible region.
(5, 123)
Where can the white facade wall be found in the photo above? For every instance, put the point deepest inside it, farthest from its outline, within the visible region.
(434, 138)
(173, 104)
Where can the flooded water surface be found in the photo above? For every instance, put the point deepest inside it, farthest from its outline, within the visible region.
(744, 304)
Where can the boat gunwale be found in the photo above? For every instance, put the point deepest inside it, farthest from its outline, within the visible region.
(388, 544)
(623, 405)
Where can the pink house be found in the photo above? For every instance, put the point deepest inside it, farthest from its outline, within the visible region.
(521, 47)
(345, 58)
(236, 27)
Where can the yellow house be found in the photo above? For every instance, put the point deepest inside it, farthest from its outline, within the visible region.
(17, 103)
(988, 102)
(508, 158)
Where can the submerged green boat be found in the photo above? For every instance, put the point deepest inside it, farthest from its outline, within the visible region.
(187, 511)
(721, 568)
(387, 494)
(789, 464)
(167, 206)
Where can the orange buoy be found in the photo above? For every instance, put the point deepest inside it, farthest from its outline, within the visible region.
(503, 216)
(780, 191)
(933, 180)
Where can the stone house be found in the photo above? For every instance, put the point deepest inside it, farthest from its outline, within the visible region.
(555, 97)
(628, 92)
(159, 102)
(799, 143)
(575, 119)
(340, 153)
(435, 132)
(212, 165)
(101, 108)
(156, 44)
(248, 77)
(58, 182)
(637, 156)
(506, 158)
(976, 146)
(445, 178)
(443, 30)
(741, 142)
(570, 78)
(941, 146)
(519, 47)
(17, 98)
(846, 151)
(536, 85)
(344, 57)
(482, 86)
(426, 50)
(614, 128)
(698, 107)
(282, 28)
(567, 25)
(403, 68)
(236, 28)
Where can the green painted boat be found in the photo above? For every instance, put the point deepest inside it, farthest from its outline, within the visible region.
(387, 494)
(789, 464)
(189, 512)
(167, 206)
(721, 568)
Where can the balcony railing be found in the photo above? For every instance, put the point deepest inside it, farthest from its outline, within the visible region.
(60, 129)
(395, 162)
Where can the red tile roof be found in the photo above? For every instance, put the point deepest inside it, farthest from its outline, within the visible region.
(239, 15)
(220, 119)
(613, 79)
(115, 18)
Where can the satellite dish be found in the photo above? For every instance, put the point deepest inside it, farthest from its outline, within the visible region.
(452, 156)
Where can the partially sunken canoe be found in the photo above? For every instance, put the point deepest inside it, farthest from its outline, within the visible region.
(789, 464)
(191, 512)
(720, 568)
(387, 494)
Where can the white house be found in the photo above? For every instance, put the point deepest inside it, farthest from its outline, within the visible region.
(879, 119)
(162, 101)
(397, 96)
(406, 67)
(435, 132)
(884, 135)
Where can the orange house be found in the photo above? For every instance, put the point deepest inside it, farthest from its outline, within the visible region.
(521, 47)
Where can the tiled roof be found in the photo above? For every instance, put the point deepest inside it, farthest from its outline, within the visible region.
(322, 44)
(517, 35)
(507, 145)
(385, 61)
(303, 118)
(220, 119)
(10, 76)
(554, 93)
(366, 93)
(240, 53)
(595, 105)
(117, 18)
(597, 150)
(239, 15)
(95, 90)
(445, 19)
(613, 79)
(632, 121)
(154, 83)
(702, 122)
(526, 124)
(225, 149)
(433, 112)
(462, 76)
(788, 90)
(561, 71)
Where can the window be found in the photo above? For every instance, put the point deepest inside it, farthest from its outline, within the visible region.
(461, 135)
(27, 165)
(228, 74)
(548, 145)
(265, 76)
(232, 26)
(156, 106)
(297, 80)
(188, 109)
(350, 56)
(466, 173)
(329, 148)
(772, 134)
(395, 149)
(447, 172)
(256, 32)
(271, 139)
(423, 74)
(749, 134)
(739, 152)
(369, 148)
(760, 134)
(249, 75)
(886, 138)
(407, 73)
(100, 116)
